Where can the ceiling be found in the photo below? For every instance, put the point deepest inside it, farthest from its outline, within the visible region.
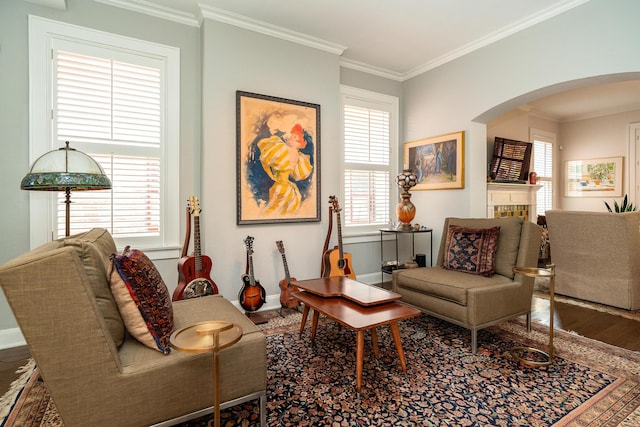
(398, 39)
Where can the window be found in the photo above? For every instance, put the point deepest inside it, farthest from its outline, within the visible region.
(369, 135)
(115, 99)
(543, 166)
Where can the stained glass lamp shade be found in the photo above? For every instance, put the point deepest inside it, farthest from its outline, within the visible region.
(65, 169)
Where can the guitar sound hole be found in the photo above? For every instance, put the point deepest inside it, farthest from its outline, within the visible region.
(198, 288)
(341, 264)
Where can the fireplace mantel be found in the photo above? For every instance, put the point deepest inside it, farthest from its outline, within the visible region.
(504, 199)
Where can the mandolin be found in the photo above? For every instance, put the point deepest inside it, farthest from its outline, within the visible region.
(286, 300)
(252, 295)
(194, 278)
(336, 262)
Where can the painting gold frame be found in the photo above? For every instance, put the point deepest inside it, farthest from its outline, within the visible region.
(438, 161)
(278, 159)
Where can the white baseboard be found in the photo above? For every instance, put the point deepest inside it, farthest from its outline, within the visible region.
(10, 338)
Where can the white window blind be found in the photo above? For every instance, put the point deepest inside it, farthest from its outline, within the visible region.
(117, 99)
(543, 166)
(104, 102)
(367, 135)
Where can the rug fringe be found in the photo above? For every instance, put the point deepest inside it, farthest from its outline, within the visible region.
(9, 399)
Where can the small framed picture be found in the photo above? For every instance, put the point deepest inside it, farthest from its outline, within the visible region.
(438, 161)
(594, 177)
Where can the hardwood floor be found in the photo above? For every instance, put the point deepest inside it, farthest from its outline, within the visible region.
(10, 360)
(608, 328)
(614, 330)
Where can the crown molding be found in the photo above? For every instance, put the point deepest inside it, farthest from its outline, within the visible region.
(369, 69)
(55, 4)
(153, 9)
(507, 31)
(576, 117)
(261, 27)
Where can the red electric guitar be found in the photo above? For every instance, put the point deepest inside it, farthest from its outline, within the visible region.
(194, 271)
(286, 300)
(336, 262)
(252, 295)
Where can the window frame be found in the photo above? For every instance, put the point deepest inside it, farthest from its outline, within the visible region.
(42, 33)
(374, 100)
(550, 138)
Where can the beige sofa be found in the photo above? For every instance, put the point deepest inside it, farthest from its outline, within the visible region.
(60, 297)
(597, 256)
(475, 301)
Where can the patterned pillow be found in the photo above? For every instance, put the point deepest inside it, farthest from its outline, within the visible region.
(143, 299)
(471, 250)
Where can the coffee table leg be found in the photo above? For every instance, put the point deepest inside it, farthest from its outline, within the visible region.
(314, 324)
(305, 313)
(374, 343)
(395, 332)
(359, 356)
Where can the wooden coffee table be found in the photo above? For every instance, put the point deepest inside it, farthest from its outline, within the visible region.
(378, 309)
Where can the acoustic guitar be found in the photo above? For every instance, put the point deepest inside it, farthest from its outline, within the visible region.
(252, 295)
(286, 300)
(336, 261)
(194, 278)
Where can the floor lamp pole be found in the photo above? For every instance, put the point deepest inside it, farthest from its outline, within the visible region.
(67, 224)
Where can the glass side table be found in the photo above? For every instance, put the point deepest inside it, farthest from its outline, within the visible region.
(205, 337)
(518, 353)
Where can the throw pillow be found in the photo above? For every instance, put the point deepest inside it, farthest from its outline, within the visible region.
(471, 250)
(143, 299)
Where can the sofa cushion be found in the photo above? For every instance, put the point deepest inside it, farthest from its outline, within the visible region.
(508, 241)
(445, 284)
(471, 250)
(94, 249)
(143, 299)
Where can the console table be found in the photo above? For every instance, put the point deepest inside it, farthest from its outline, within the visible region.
(387, 266)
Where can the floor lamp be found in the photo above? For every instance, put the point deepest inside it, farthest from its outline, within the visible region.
(65, 169)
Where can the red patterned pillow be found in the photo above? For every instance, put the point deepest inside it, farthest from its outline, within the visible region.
(471, 250)
(142, 298)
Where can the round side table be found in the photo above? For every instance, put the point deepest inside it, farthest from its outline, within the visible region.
(518, 352)
(205, 337)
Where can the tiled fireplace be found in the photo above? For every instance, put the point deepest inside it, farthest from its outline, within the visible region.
(512, 200)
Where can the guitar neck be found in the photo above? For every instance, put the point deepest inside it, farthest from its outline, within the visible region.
(339, 235)
(287, 277)
(197, 254)
(252, 280)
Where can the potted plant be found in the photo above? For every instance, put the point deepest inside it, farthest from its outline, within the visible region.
(624, 207)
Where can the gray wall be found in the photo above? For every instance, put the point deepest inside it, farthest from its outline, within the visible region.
(593, 40)
(14, 92)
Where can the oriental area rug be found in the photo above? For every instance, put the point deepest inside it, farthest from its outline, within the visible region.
(589, 383)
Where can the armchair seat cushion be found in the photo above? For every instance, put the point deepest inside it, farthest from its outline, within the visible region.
(446, 284)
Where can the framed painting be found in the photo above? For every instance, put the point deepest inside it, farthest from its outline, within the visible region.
(594, 177)
(278, 159)
(438, 162)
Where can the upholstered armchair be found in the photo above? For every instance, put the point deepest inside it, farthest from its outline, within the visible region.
(597, 256)
(476, 301)
(97, 374)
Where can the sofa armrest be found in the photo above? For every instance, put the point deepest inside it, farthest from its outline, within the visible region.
(56, 309)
